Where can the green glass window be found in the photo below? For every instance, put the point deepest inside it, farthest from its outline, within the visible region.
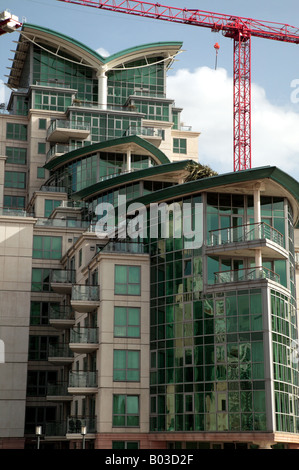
(41, 148)
(40, 281)
(46, 247)
(180, 146)
(16, 131)
(15, 179)
(125, 445)
(14, 202)
(16, 155)
(125, 410)
(126, 366)
(127, 322)
(127, 280)
(40, 172)
(42, 123)
(50, 205)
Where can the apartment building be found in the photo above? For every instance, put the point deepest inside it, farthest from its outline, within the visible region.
(137, 310)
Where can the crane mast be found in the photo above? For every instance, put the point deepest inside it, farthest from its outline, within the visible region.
(239, 29)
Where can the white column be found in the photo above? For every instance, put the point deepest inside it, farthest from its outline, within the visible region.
(257, 221)
(102, 89)
(128, 160)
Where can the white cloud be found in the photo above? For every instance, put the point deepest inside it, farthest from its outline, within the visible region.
(206, 95)
(103, 52)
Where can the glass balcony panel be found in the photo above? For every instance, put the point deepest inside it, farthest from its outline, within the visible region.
(61, 312)
(246, 274)
(63, 276)
(84, 335)
(85, 293)
(75, 423)
(245, 233)
(60, 350)
(82, 379)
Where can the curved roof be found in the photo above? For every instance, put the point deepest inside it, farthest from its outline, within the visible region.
(134, 142)
(83, 53)
(273, 181)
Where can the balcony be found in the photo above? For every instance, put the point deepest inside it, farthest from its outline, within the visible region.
(84, 340)
(55, 429)
(75, 423)
(62, 316)
(154, 135)
(244, 239)
(62, 280)
(83, 382)
(60, 354)
(61, 131)
(256, 273)
(58, 392)
(85, 298)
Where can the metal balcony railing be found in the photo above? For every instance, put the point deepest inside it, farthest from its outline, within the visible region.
(246, 274)
(245, 233)
(84, 335)
(83, 379)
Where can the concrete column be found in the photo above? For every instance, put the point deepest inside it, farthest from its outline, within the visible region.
(2, 175)
(257, 221)
(102, 88)
(128, 168)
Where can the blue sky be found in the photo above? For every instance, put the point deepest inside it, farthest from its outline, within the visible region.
(208, 109)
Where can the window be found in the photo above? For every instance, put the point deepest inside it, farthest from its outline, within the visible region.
(14, 202)
(39, 347)
(125, 410)
(41, 148)
(126, 366)
(16, 155)
(15, 179)
(50, 205)
(179, 146)
(39, 313)
(37, 382)
(42, 123)
(125, 445)
(16, 131)
(46, 247)
(40, 281)
(40, 172)
(127, 280)
(127, 322)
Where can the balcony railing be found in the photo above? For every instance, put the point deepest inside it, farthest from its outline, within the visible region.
(61, 124)
(245, 233)
(74, 424)
(85, 293)
(83, 379)
(60, 351)
(61, 312)
(63, 276)
(84, 335)
(57, 390)
(55, 428)
(247, 274)
(145, 132)
(123, 247)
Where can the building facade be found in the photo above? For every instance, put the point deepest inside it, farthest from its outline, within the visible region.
(137, 310)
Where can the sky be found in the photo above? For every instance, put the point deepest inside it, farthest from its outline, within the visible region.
(205, 94)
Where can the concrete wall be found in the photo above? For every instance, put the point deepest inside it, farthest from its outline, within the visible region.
(15, 286)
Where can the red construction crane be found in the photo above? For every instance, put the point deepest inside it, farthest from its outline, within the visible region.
(235, 27)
